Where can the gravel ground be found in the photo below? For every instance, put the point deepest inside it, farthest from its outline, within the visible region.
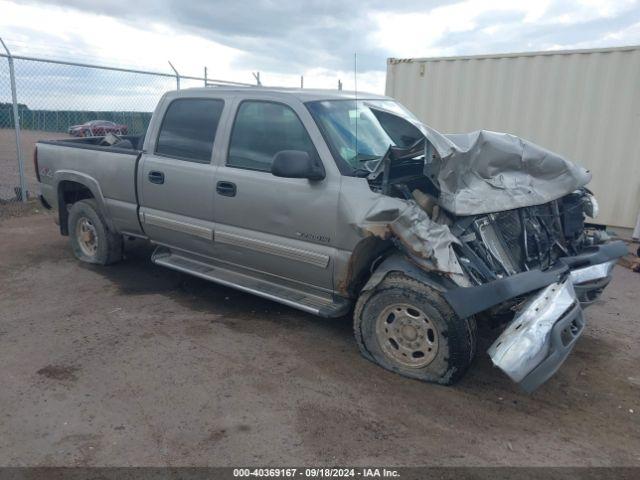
(137, 365)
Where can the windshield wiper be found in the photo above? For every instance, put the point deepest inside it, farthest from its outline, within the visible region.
(364, 157)
(361, 172)
(393, 153)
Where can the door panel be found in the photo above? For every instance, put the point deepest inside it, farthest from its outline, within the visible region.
(176, 180)
(280, 226)
(179, 211)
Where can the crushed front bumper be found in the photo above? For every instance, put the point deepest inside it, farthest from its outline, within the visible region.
(467, 301)
(540, 337)
(542, 334)
(589, 282)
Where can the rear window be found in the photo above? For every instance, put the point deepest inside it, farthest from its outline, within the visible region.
(189, 129)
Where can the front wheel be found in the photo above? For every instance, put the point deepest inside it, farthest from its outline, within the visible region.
(407, 327)
(91, 239)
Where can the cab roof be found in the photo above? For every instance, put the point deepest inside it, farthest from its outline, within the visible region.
(302, 94)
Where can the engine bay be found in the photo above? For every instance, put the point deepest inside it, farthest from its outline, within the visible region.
(504, 243)
(499, 244)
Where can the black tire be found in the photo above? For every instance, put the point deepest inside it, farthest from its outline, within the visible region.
(108, 245)
(454, 339)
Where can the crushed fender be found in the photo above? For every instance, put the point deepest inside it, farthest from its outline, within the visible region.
(420, 236)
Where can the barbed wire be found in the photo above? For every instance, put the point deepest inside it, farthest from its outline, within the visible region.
(59, 94)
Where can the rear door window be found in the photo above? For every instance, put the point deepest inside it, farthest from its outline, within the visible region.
(189, 129)
(262, 129)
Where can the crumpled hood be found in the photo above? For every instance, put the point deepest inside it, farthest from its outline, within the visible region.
(485, 172)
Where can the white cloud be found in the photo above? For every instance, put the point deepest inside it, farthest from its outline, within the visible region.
(415, 34)
(99, 39)
(379, 30)
(630, 34)
(102, 40)
(587, 10)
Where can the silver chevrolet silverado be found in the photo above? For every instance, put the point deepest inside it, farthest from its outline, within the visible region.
(333, 203)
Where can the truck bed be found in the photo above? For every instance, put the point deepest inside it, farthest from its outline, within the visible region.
(108, 171)
(129, 143)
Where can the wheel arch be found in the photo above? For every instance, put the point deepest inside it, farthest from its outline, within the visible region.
(397, 262)
(72, 187)
(358, 267)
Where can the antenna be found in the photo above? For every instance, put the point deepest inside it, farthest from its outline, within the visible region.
(355, 89)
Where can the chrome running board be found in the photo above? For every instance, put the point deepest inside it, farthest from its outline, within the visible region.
(322, 305)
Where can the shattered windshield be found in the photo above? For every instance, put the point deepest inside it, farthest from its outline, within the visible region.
(353, 130)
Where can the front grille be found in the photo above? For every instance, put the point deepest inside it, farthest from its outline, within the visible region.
(501, 244)
(515, 240)
(539, 247)
(510, 227)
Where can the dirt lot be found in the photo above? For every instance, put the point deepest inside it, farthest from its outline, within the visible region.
(137, 365)
(9, 172)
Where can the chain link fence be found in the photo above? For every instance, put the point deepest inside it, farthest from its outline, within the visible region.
(54, 96)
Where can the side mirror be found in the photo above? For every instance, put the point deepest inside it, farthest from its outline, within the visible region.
(296, 164)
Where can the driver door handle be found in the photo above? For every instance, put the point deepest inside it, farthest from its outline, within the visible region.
(227, 189)
(156, 177)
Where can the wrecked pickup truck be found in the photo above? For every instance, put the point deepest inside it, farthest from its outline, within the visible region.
(332, 204)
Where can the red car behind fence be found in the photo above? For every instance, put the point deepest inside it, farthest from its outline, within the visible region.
(97, 128)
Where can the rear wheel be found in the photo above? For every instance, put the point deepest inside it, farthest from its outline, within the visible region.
(407, 327)
(91, 239)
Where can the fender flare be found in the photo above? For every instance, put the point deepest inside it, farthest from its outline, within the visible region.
(398, 262)
(86, 181)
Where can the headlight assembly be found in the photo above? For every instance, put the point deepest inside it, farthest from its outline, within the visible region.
(590, 205)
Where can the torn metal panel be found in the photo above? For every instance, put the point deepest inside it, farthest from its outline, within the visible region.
(427, 239)
(421, 237)
(592, 272)
(486, 172)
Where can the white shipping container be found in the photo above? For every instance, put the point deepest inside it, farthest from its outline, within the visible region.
(583, 104)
